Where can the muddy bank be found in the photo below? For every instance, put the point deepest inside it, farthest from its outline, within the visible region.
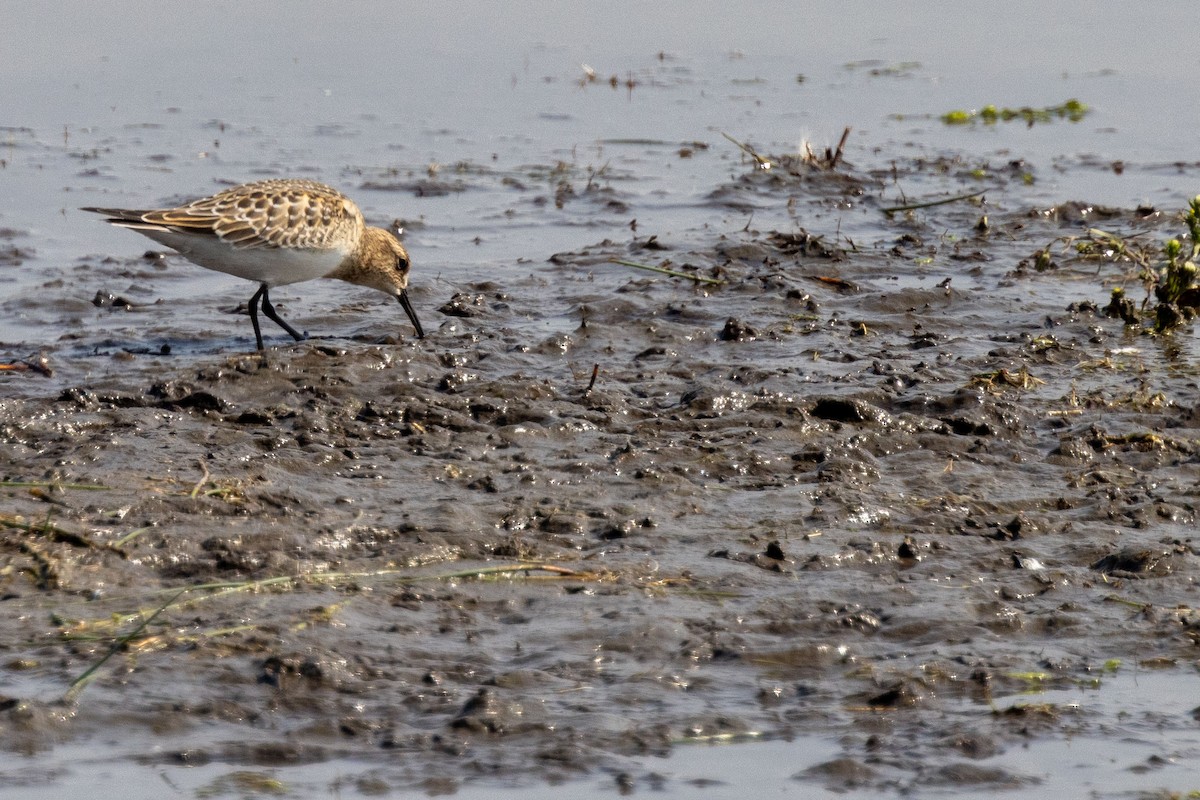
(864, 486)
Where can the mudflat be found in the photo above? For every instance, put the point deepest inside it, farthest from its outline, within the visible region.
(871, 491)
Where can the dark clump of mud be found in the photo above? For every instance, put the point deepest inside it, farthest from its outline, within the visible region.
(844, 487)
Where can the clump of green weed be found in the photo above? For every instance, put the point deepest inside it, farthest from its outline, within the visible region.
(1072, 110)
(1172, 282)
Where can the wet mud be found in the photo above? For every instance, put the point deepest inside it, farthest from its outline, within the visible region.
(868, 484)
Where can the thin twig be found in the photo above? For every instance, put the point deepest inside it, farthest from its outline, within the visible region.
(203, 479)
(837, 154)
(26, 365)
(931, 203)
(764, 163)
(671, 272)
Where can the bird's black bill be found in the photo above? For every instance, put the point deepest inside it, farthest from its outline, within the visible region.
(408, 309)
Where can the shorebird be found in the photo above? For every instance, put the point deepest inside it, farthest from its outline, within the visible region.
(277, 232)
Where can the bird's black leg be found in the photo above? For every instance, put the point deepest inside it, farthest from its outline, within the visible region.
(269, 310)
(262, 290)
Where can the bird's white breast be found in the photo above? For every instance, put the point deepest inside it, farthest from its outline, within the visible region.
(274, 266)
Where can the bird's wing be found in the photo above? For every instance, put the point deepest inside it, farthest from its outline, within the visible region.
(293, 214)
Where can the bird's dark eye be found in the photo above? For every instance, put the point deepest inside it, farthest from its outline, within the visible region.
(402, 264)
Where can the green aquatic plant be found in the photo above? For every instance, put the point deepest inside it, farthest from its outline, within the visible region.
(1072, 111)
(1171, 281)
(1177, 277)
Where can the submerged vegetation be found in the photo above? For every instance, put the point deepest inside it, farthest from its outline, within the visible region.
(881, 69)
(1072, 111)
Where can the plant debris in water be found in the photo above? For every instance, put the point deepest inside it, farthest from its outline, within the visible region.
(1072, 111)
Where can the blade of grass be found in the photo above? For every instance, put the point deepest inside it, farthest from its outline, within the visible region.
(79, 684)
(82, 630)
(129, 537)
(87, 487)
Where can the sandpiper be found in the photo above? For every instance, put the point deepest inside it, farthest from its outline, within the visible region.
(277, 232)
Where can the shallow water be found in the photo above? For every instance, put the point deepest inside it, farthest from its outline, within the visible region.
(845, 513)
(1153, 743)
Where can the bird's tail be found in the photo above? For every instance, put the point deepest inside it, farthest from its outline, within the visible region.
(118, 215)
